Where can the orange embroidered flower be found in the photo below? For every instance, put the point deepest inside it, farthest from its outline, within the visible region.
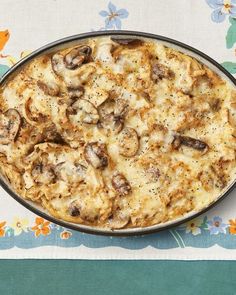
(2, 230)
(41, 227)
(4, 36)
(232, 226)
(65, 235)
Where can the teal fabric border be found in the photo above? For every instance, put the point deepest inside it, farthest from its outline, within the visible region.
(178, 237)
(59, 277)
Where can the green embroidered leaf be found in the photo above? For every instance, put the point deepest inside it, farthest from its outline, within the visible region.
(204, 223)
(3, 69)
(231, 33)
(229, 66)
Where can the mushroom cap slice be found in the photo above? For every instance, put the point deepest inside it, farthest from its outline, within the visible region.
(43, 173)
(32, 114)
(112, 113)
(10, 123)
(118, 220)
(74, 209)
(160, 72)
(111, 123)
(75, 92)
(50, 88)
(121, 184)
(77, 56)
(128, 142)
(127, 41)
(95, 154)
(81, 207)
(121, 107)
(50, 134)
(189, 142)
(83, 111)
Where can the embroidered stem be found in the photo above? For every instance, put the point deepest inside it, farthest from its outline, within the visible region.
(177, 238)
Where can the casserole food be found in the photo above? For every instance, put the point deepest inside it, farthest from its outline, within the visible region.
(118, 132)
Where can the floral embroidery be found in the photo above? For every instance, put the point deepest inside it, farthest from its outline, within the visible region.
(19, 225)
(2, 230)
(194, 226)
(65, 235)
(41, 227)
(52, 233)
(221, 9)
(4, 37)
(113, 16)
(232, 226)
(13, 60)
(217, 226)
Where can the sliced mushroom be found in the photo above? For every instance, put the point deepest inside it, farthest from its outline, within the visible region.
(70, 172)
(128, 142)
(77, 56)
(50, 134)
(96, 155)
(80, 208)
(176, 143)
(42, 173)
(120, 108)
(160, 72)
(74, 209)
(118, 220)
(127, 41)
(49, 88)
(72, 78)
(83, 111)
(32, 114)
(111, 123)
(10, 123)
(75, 92)
(112, 113)
(190, 142)
(121, 184)
(106, 108)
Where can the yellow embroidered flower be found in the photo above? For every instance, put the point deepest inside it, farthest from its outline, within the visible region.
(2, 230)
(193, 226)
(65, 235)
(19, 225)
(12, 60)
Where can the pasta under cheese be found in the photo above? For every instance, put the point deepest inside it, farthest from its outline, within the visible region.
(118, 133)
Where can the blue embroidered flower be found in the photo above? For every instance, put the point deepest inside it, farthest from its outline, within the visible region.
(113, 16)
(221, 9)
(216, 226)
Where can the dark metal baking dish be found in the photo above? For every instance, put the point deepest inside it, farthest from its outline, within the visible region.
(73, 40)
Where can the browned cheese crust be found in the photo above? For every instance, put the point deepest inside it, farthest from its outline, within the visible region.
(118, 133)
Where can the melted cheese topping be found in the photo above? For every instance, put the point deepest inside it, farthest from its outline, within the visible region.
(117, 134)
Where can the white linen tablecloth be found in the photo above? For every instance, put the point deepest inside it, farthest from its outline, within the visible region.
(206, 25)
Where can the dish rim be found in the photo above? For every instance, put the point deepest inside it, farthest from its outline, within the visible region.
(106, 231)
